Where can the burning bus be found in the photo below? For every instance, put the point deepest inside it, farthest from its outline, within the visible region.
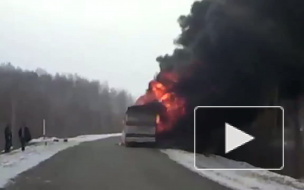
(154, 113)
(140, 124)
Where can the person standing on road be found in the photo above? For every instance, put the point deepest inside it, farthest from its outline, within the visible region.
(24, 136)
(8, 138)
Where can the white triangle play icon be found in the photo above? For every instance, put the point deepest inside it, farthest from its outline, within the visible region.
(235, 138)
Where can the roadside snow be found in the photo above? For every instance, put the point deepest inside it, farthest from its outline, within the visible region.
(238, 180)
(16, 162)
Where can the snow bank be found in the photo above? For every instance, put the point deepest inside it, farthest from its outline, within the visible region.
(239, 180)
(16, 162)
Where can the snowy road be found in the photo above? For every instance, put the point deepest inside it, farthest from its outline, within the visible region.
(104, 165)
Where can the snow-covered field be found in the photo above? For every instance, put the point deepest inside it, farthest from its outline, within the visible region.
(239, 180)
(16, 162)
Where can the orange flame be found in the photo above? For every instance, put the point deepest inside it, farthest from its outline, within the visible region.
(161, 92)
(157, 119)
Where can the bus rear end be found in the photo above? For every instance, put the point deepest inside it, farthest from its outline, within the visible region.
(140, 125)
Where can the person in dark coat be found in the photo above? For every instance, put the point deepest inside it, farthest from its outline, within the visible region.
(8, 138)
(24, 136)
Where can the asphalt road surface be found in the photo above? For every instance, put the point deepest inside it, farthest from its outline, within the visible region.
(104, 165)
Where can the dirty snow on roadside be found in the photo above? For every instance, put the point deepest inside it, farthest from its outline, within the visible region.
(239, 180)
(16, 162)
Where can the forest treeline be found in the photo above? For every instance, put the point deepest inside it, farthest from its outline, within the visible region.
(70, 104)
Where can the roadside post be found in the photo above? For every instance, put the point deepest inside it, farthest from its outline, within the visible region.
(44, 132)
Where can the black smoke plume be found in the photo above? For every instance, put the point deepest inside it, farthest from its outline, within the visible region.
(237, 53)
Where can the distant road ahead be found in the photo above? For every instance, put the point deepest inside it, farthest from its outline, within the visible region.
(103, 165)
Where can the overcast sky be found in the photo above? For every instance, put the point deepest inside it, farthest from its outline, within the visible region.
(115, 41)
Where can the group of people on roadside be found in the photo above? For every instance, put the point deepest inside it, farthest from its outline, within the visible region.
(23, 133)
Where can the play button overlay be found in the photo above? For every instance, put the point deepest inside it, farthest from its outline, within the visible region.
(235, 138)
(239, 138)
